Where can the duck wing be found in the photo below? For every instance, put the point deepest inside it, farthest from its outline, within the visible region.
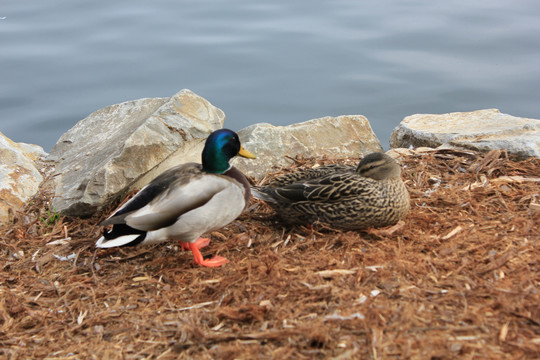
(327, 188)
(309, 174)
(171, 194)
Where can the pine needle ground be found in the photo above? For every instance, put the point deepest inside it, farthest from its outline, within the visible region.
(458, 278)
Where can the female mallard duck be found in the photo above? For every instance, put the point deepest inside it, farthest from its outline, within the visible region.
(372, 196)
(185, 201)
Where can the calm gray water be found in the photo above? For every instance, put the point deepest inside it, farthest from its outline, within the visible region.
(278, 61)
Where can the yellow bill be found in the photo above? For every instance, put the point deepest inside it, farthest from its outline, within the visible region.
(244, 153)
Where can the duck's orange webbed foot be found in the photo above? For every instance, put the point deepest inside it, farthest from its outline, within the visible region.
(199, 244)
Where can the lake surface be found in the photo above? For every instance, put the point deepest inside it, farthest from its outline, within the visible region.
(275, 61)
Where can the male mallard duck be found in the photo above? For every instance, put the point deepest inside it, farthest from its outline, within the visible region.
(185, 201)
(373, 195)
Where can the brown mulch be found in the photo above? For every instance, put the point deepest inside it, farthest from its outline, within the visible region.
(458, 278)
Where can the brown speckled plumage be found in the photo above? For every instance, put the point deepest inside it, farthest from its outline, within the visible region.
(372, 195)
(308, 174)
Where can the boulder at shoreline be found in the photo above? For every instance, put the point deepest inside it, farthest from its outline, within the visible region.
(19, 175)
(481, 130)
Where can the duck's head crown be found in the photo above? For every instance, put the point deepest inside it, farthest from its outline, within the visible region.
(221, 146)
(378, 166)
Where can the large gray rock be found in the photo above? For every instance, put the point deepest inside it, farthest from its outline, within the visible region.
(335, 137)
(19, 176)
(107, 152)
(481, 130)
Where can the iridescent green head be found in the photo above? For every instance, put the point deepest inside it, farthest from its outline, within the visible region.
(220, 147)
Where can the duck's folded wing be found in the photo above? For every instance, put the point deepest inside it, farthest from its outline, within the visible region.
(309, 174)
(167, 208)
(328, 188)
(156, 189)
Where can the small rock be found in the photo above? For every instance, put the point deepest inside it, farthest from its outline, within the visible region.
(481, 130)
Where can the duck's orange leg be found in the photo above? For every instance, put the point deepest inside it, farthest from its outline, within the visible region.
(199, 244)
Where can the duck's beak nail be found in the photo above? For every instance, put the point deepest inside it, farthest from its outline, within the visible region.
(244, 153)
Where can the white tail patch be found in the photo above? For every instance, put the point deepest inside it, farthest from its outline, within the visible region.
(119, 241)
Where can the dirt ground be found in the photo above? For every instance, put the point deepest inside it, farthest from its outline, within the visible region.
(458, 278)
